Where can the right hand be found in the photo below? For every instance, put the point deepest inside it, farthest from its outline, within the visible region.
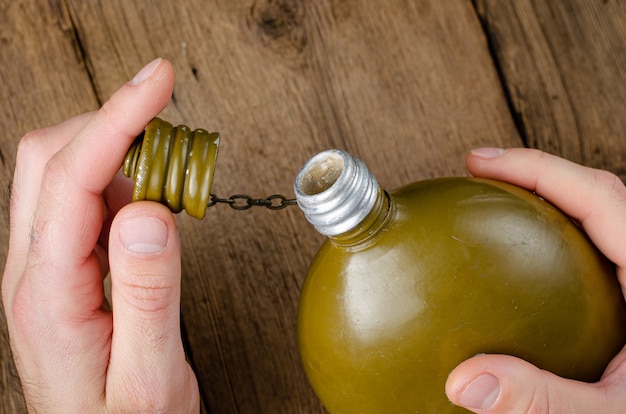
(500, 384)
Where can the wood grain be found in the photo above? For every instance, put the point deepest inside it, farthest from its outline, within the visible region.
(409, 87)
(563, 65)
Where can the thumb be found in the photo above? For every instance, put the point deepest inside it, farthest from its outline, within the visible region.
(147, 358)
(499, 384)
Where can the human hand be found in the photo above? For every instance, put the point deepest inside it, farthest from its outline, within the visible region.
(72, 354)
(498, 384)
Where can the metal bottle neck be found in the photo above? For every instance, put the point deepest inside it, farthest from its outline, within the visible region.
(339, 196)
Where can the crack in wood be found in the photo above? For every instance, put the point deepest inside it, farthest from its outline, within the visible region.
(81, 51)
(494, 52)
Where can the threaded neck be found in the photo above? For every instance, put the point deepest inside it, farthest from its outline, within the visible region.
(336, 192)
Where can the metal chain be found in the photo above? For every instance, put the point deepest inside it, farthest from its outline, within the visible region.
(244, 202)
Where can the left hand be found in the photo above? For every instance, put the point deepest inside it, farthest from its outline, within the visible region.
(69, 223)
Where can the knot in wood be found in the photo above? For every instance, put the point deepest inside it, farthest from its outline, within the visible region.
(279, 24)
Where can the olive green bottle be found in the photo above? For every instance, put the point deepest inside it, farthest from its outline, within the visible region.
(412, 282)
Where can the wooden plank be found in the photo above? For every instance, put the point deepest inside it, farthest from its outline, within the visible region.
(43, 82)
(409, 88)
(563, 63)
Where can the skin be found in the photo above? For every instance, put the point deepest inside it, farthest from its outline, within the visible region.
(71, 223)
(597, 199)
(67, 222)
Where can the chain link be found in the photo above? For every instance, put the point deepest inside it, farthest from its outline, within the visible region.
(244, 202)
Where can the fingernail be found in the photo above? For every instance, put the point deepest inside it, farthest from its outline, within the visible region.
(488, 152)
(145, 72)
(143, 235)
(481, 394)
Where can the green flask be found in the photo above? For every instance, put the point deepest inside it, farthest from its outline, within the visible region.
(412, 282)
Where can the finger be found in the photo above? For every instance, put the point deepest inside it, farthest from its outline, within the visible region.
(597, 198)
(70, 210)
(106, 138)
(34, 151)
(117, 194)
(147, 356)
(500, 384)
(56, 311)
(103, 142)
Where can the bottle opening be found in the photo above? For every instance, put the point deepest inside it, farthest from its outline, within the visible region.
(320, 173)
(335, 191)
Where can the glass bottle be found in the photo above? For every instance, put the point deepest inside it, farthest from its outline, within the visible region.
(412, 282)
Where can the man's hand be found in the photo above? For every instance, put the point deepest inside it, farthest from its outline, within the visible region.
(70, 222)
(499, 384)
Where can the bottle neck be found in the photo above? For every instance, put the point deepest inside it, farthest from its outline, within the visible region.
(371, 225)
(341, 197)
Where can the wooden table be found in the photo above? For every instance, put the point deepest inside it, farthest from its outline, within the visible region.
(408, 86)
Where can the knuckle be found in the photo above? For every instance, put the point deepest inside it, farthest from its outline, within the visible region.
(608, 182)
(4, 291)
(32, 149)
(32, 141)
(22, 311)
(108, 119)
(148, 396)
(547, 398)
(148, 294)
(40, 158)
(534, 155)
(55, 177)
(30, 160)
(539, 403)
